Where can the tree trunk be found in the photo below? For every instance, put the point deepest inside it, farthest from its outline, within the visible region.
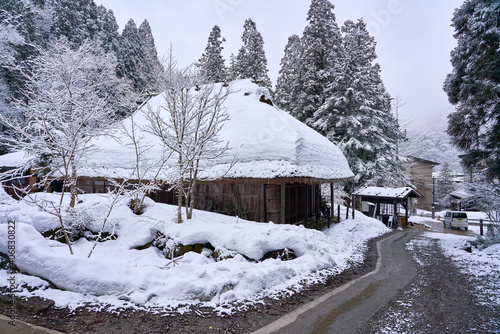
(72, 186)
(180, 189)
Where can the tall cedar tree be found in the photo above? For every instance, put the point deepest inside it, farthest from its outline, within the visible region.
(287, 88)
(474, 84)
(151, 67)
(356, 114)
(444, 186)
(76, 20)
(251, 61)
(130, 56)
(211, 64)
(17, 37)
(321, 51)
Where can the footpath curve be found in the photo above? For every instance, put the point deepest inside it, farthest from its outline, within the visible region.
(349, 307)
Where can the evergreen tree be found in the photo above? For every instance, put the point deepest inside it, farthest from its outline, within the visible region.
(444, 186)
(251, 61)
(138, 58)
(356, 114)
(76, 20)
(321, 51)
(108, 29)
(474, 85)
(151, 67)
(211, 64)
(131, 55)
(287, 85)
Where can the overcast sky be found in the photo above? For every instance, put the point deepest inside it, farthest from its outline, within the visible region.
(414, 38)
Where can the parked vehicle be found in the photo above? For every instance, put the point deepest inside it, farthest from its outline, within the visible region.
(456, 219)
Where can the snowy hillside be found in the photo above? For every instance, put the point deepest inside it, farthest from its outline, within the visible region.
(128, 272)
(433, 143)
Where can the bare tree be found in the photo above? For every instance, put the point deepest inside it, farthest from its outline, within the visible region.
(188, 124)
(66, 105)
(145, 178)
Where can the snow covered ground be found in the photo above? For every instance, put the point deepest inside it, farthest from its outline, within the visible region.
(227, 276)
(481, 265)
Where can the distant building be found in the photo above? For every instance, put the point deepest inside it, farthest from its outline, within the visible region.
(420, 174)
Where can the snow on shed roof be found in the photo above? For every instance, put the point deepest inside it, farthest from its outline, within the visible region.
(402, 192)
(266, 142)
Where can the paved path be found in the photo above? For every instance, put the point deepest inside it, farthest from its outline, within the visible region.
(21, 327)
(350, 306)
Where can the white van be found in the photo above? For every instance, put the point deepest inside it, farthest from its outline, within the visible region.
(456, 219)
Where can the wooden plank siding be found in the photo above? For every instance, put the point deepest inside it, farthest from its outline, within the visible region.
(290, 203)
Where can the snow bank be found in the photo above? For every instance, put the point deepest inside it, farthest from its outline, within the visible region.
(119, 275)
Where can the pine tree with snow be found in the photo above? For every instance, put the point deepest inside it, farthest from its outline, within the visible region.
(444, 186)
(131, 56)
(108, 32)
(474, 84)
(76, 20)
(152, 69)
(211, 64)
(251, 61)
(288, 83)
(138, 58)
(322, 48)
(357, 112)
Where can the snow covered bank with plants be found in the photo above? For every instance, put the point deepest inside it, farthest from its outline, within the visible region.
(139, 265)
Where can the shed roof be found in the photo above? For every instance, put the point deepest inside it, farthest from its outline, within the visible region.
(387, 193)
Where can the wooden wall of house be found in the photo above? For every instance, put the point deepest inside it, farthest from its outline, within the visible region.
(92, 186)
(291, 203)
(280, 203)
(243, 200)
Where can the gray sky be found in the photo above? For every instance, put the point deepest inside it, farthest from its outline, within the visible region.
(414, 38)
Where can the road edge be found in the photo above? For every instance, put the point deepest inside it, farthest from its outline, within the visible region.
(31, 327)
(292, 317)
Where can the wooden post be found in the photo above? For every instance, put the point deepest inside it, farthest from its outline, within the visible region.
(480, 227)
(347, 211)
(353, 205)
(283, 206)
(396, 214)
(332, 202)
(338, 213)
(406, 212)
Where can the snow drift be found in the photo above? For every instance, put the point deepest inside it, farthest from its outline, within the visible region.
(120, 273)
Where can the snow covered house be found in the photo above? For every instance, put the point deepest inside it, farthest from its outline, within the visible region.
(278, 163)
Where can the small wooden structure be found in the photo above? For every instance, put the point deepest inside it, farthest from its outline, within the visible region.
(385, 203)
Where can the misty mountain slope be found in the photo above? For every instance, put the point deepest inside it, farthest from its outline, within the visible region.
(432, 143)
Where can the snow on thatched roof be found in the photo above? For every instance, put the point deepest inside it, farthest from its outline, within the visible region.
(266, 142)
